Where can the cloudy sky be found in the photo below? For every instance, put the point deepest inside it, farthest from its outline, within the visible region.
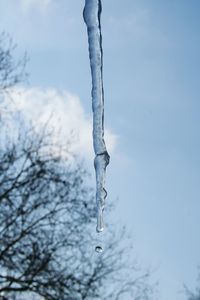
(152, 80)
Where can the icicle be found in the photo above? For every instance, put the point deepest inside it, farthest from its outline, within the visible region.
(91, 15)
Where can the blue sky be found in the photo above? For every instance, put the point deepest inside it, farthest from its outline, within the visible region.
(151, 79)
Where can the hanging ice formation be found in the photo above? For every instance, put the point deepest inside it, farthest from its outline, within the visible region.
(91, 15)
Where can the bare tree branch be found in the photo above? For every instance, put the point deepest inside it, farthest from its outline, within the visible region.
(47, 216)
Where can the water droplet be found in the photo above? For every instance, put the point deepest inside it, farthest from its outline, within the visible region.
(99, 229)
(98, 249)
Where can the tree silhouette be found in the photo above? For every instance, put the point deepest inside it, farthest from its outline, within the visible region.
(12, 71)
(193, 295)
(47, 216)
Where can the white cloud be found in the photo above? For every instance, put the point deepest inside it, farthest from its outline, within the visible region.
(65, 114)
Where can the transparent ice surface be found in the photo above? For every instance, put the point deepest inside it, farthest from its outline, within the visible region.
(91, 15)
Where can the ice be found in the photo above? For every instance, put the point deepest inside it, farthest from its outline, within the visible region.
(91, 15)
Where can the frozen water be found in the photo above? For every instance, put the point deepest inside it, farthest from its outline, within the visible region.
(91, 15)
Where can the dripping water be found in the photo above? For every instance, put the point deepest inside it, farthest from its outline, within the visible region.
(99, 249)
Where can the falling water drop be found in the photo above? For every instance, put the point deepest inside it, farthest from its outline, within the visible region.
(91, 15)
(99, 249)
